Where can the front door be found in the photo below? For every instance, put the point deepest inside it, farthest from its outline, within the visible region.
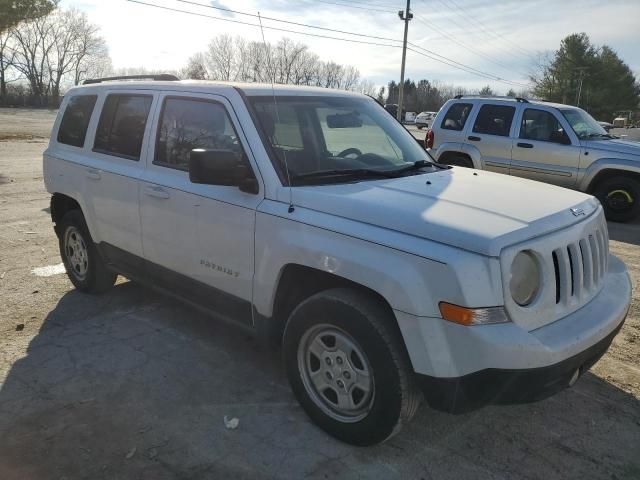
(198, 237)
(543, 150)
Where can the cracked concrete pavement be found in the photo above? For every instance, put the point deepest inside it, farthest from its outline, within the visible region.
(131, 384)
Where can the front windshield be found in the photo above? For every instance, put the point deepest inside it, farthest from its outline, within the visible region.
(323, 134)
(583, 124)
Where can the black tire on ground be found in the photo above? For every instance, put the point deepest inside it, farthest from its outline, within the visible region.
(364, 320)
(620, 197)
(87, 272)
(419, 127)
(457, 161)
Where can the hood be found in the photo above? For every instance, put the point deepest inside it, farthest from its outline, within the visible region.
(616, 145)
(478, 211)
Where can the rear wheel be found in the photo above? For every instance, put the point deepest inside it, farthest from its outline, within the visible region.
(620, 198)
(348, 368)
(84, 266)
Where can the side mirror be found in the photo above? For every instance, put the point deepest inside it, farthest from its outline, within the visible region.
(560, 137)
(221, 167)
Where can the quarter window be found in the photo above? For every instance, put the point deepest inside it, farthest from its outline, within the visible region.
(75, 120)
(542, 126)
(494, 120)
(186, 124)
(122, 123)
(456, 117)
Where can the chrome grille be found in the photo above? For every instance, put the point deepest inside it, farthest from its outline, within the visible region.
(581, 265)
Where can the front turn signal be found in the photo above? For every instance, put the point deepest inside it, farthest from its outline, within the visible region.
(472, 316)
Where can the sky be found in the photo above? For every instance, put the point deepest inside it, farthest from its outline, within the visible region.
(502, 38)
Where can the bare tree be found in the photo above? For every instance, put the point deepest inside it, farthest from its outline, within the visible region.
(196, 68)
(220, 58)
(7, 55)
(33, 42)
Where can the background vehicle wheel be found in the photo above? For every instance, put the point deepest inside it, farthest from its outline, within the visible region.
(348, 368)
(84, 266)
(620, 198)
(419, 127)
(457, 161)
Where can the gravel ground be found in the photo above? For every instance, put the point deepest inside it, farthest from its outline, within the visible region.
(133, 385)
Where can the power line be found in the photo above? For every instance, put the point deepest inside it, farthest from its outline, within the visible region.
(287, 21)
(460, 66)
(495, 34)
(432, 55)
(466, 28)
(355, 6)
(462, 44)
(240, 22)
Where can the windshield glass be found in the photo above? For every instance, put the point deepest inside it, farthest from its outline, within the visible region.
(583, 124)
(324, 134)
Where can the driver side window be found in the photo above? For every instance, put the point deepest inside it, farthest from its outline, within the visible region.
(186, 124)
(542, 126)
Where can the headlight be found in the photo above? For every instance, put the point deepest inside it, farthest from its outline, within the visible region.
(525, 278)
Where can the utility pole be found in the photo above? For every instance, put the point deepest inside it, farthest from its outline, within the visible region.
(405, 16)
(582, 70)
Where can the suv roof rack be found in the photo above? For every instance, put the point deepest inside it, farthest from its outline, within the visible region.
(517, 99)
(166, 77)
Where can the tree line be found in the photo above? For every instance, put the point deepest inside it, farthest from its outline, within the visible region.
(285, 62)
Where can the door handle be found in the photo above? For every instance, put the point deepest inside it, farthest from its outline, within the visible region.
(157, 192)
(525, 145)
(474, 139)
(93, 174)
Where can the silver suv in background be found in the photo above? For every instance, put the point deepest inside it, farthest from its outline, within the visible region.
(548, 142)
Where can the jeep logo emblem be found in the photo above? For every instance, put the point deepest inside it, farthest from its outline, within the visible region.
(577, 211)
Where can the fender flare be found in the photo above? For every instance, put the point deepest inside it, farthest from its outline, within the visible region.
(603, 164)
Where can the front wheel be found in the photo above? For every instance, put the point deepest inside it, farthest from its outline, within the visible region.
(348, 368)
(620, 198)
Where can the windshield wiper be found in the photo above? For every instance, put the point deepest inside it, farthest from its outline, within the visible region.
(345, 172)
(600, 135)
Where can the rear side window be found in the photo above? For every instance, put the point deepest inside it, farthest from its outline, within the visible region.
(75, 120)
(494, 120)
(186, 124)
(122, 122)
(456, 117)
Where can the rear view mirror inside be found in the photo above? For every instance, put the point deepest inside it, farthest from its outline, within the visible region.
(344, 120)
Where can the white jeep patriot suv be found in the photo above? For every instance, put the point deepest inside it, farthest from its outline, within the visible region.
(543, 141)
(316, 220)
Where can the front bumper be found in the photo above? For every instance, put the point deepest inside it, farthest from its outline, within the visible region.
(465, 367)
(463, 394)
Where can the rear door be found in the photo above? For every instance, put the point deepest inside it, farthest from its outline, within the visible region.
(491, 135)
(202, 233)
(543, 150)
(449, 132)
(113, 170)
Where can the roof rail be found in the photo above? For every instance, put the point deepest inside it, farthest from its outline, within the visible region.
(166, 77)
(517, 99)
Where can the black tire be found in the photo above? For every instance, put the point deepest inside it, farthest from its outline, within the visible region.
(457, 161)
(367, 322)
(89, 274)
(419, 127)
(620, 198)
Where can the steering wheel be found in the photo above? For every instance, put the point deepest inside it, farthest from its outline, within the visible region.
(350, 151)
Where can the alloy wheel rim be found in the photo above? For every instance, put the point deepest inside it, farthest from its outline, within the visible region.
(75, 249)
(336, 373)
(619, 200)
